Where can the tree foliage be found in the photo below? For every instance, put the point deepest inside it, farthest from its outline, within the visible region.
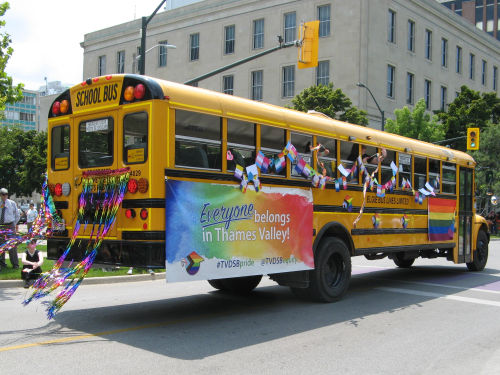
(8, 93)
(23, 160)
(417, 124)
(469, 109)
(332, 102)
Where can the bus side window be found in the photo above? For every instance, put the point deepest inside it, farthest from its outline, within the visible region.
(272, 143)
(303, 144)
(449, 181)
(370, 159)
(348, 155)
(135, 138)
(241, 143)
(434, 169)
(404, 169)
(420, 173)
(327, 156)
(386, 173)
(198, 140)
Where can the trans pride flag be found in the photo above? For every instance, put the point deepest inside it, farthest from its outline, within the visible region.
(441, 219)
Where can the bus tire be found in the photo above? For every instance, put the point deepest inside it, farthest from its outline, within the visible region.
(332, 274)
(481, 253)
(238, 285)
(401, 262)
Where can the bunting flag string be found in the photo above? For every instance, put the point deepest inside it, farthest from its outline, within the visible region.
(103, 191)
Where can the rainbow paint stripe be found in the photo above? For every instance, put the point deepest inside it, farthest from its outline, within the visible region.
(441, 219)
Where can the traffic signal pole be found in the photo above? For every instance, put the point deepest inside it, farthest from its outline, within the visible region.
(281, 45)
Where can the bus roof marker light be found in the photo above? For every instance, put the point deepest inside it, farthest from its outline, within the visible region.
(128, 94)
(139, 91)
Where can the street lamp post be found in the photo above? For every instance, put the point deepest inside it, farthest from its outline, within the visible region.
(145, 21)
(359, 84)
(139, 57)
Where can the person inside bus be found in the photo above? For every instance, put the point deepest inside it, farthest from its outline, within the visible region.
(372, 159)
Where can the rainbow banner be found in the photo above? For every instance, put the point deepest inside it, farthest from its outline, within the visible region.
(441, 219)
(215, 231)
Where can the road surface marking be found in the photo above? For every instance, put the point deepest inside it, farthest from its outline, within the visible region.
(438, 295)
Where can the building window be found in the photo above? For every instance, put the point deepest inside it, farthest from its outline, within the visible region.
(229, 39)
(472, 66)
(411, 36)
(323, 73)
(162, 54)
(428, 44)
(427, 94)
(483, 72)
(444, 53)
(410, 85)
(444, 98)
(459, 60)
(324, 20)
(290, 27)
(194, 47)
(495, 78)
(391, 27)
(258, 34)
(228, 87)
(390, 80)
(101, 66)
(120, 62)
(257, 84)
(288, 85)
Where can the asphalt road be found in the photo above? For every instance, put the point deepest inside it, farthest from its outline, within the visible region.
(436, 318)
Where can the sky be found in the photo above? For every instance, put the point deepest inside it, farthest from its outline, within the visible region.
(46, 35)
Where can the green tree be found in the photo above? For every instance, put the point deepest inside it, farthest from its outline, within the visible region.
(8, 93)
(332, 102)
(22, 160)
(418, 124)
(469, 109)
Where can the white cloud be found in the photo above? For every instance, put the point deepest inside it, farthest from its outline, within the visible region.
(46, 35)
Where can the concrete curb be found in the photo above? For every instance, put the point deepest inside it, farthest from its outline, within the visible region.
(96, 280)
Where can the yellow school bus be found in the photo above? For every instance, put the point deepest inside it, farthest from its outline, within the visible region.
(228, 189)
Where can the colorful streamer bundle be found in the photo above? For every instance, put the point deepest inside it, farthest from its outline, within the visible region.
(102, 193)
(45, 222)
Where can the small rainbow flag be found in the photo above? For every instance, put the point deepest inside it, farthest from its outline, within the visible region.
(376, 221)
(441, 219)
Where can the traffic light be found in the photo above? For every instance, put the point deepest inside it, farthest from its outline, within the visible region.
(472, 138)
(308, 49)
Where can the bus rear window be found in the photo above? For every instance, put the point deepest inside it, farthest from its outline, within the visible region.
(135, 138)
(95, 143)
(60, 148)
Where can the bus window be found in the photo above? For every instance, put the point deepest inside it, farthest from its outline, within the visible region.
(272, 143)
(370, 159)
(303, 144)
(386, 173)
(420, 173)
(449, 181)
(197, 140)
(135, 138)
(434, 169)
(404, 169)
(95, 143)
(327, 156)
(241, 143)
(60, 148)
(348, 155)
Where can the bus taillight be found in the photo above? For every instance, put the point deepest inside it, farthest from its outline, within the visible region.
(64, 106)
(56, 108)
(132, 186)
(139, 91)
(130, 213)
(58, 189)
(143, 185)
(136, 92)
(144, 214)
(128, 94)
(66, 189)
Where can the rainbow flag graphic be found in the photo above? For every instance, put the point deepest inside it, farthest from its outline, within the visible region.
(441, 219)
(347, 203)
(376, 221)
(194, 261)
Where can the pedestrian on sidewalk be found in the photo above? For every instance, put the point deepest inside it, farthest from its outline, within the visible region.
(9, 217)
(32, 264)
(31, 215)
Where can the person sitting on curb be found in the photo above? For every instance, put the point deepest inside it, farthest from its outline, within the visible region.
(32, 261)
